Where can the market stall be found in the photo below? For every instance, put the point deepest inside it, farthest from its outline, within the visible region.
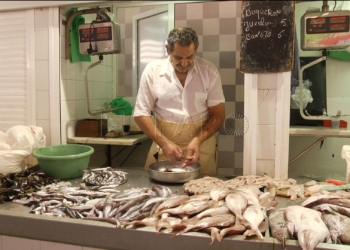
(18, 222)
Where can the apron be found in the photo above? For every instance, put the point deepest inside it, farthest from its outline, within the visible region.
(181, 134)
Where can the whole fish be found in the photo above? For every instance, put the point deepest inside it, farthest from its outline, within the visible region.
(330, 208)
(255, 216)
(196, 206)
(214, 221)
(307, 225)
(278, 224)
(217, 194)
(249, 194)
(339, 227)
(213, 211)
(326, 198)
(173, 201)
(237, 203)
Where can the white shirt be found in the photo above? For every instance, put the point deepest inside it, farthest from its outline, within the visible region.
(161, 91)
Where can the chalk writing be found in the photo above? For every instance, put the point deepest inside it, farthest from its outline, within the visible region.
(267, 27)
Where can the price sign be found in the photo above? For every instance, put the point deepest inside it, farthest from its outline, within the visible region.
(267, 36)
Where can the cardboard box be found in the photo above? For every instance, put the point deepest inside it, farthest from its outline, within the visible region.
(91, 128)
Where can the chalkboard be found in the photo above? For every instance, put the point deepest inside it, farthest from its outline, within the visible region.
(267, 36)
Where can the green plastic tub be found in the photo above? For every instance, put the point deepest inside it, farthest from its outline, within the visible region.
(64, 161)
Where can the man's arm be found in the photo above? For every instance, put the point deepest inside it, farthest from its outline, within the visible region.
(215, 121)
(170, 149)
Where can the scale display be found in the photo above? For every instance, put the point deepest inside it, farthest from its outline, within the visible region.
(325, 30)
(327, 25)
(95, 34)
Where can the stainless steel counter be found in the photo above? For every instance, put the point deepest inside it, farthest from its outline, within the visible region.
(16, 221)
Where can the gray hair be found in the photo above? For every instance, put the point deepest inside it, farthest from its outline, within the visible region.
(183, 36)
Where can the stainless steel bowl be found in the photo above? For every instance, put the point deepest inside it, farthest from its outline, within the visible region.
(166, 171)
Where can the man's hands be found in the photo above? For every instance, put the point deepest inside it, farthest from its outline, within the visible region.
(172, 151)
(192, 152)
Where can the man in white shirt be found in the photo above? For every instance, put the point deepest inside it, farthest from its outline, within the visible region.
(185, 94)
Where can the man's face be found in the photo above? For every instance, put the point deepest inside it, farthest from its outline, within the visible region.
(182, 57)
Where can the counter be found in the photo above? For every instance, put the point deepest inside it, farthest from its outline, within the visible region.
(126, 141)
(16, 221)
(318, 131)
(130, 140)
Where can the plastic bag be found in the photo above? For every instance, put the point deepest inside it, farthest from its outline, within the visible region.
(306, 95)
(12, 161)
(28, 138)
(345, 154)
(124, 108)
(17, 144)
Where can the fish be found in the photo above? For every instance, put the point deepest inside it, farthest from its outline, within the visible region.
(325, 198)
(194, 207)
(339, 227)
(212, 221)
(237, 203)
(213, 231)
(104, 176)
(330, 208)
(173, 201)
(306, 225)
(249, 194)
(262, 229)
(278, 225)
(233, 230)
(255, 216)
(218, 194)
(213, 211)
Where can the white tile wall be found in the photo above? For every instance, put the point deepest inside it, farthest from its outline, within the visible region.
(41, 30)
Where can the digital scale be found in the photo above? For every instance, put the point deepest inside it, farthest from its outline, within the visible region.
(99, 38)
(325, 30)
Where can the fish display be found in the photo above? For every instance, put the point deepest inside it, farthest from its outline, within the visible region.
(104, 176)
(18, 185)
(244, 206)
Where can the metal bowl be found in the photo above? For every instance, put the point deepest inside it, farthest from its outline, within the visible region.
(166, 171)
